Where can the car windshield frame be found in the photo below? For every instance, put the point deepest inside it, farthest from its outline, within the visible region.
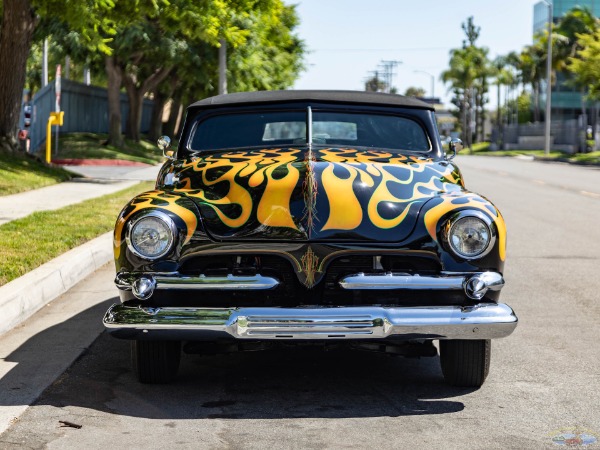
(310, 140)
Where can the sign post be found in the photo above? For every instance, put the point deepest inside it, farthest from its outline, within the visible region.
(57, 91)
(54, 119)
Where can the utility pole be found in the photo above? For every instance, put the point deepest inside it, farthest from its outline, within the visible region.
(45, 64)
(222, 66)
(87, 75)
(432, 81)
(549, 81)
(388, 72)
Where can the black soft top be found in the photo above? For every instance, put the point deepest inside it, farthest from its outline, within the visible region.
(354, 97)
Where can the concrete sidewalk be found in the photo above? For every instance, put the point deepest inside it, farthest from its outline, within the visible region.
(105, 180)
(55, 197)
(22, 297)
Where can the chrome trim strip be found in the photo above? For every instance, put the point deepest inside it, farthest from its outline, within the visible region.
(482, 321)
(309, 130)
(124, 281)
(449, 282)
(229, 282)
(391, 280)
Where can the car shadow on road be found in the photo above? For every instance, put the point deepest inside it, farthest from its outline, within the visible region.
(273, 384)
(43, 357)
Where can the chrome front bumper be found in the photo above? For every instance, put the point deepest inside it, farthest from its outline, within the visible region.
(483, 321)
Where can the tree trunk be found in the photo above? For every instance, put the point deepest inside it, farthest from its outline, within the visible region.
(595, 115)
(466, 119)
(16, 32)
(156, 123)
(170, 128)
(115, 77)
(134, 117)
(536, 100)
(481, 115)
(160, 99)
(477, 113)
(136, 95)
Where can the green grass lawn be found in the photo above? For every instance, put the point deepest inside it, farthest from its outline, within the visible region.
(19, 174)
(587, 158)
(34, 240)
(578, 158)
(92, 145)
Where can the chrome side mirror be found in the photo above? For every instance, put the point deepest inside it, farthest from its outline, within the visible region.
(164, 142)
(455, 145)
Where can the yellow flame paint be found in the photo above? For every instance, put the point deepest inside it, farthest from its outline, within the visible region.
(258, 166)
(376, 169)
(345, 211)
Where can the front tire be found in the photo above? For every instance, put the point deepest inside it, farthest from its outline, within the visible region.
(465, 363)
(155, 362)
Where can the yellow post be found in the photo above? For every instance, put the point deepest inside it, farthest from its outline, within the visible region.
(56, 118)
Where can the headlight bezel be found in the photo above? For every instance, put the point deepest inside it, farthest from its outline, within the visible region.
(455, 218)
(160, 215)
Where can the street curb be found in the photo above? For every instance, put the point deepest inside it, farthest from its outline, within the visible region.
(22, 297)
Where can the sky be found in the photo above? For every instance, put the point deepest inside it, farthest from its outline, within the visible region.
(348, 39)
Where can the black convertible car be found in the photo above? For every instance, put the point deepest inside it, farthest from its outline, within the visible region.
(310, 217)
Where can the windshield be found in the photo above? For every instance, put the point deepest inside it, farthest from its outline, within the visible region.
(285, 128)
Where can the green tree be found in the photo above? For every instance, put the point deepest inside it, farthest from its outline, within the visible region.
(414, 92)
(375, 84)
(19, 21)
(574, 23)
(533, 69)
(271, 57)
(264, 53)
(585, 64)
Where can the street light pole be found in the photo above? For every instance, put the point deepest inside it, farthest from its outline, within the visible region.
(222, 67)
(432, 81)
(549, 82)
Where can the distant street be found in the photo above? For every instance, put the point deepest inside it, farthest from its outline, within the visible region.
(544, 379)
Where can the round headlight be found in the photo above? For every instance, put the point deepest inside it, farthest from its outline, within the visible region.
(469, 236)
(151, 236)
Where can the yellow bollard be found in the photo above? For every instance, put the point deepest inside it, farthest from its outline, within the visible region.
(56, 118)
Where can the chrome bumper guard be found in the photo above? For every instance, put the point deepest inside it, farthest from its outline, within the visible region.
(483, 321)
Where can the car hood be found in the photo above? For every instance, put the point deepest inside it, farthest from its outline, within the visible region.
(307, 194)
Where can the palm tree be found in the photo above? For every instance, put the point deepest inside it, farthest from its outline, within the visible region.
(468, 78)
(575, 22)
(532, 67)
(465, 70)
(502, 77)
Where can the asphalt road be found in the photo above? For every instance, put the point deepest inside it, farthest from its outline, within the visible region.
(544, 379)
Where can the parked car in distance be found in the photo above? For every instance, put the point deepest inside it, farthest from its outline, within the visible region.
(310, 217)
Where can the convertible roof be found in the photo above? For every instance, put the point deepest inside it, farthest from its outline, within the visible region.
(358, 97)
